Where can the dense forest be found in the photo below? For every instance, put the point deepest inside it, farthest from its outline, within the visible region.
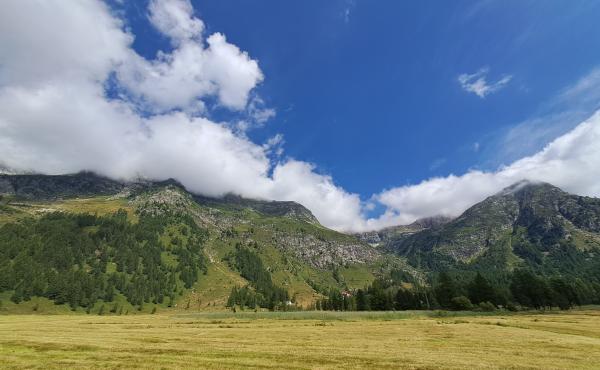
(79, 259)
(523, 289)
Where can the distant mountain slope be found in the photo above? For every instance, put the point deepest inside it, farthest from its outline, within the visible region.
(60, 186)
(89, 243)
(44, 187)
(269, 208)
(529, 224)
(296, 253)
(383, 235)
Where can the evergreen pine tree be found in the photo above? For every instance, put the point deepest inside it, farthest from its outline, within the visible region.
(361, 300)
(445, 290)
(480, 290)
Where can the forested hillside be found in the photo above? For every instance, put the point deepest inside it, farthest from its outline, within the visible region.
(152, 245)
(531, 245)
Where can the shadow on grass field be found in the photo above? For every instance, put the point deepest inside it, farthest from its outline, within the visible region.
(303, 340)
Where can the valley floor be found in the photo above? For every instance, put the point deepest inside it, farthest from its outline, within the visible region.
(303, 340)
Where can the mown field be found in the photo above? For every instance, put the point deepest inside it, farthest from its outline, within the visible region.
(303, 340)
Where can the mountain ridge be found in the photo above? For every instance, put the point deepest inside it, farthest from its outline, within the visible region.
(524, 218)
(215, 251)
(51, 187)
(376, 237)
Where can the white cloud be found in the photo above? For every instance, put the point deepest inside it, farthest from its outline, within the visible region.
(571, 162)
(555, 147)
(531, 135)
(181, 78)
(477, 83)
(556, 117)
(258, 112)
(586, 90)
(191, 72)
(174, 18)
(29, 55)
(332, 205)
(274, 145)
(234, 72)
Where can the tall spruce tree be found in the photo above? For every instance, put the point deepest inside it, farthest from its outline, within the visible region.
(445, 290)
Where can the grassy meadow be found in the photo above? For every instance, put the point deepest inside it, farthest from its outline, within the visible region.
(303, 340)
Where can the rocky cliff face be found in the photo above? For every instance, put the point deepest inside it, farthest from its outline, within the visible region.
(322, 252)
(291, 227)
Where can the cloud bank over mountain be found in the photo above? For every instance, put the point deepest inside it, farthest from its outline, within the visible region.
(75, 97)
(571, 162)
(57, 116)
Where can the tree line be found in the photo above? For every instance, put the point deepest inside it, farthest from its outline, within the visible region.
(523, 289)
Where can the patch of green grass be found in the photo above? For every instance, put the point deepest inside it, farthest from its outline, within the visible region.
(10, 213)
(111, 267)
(174, 235)
(212, 290)
(356, 276)
(168, 259)
(101, 205)
(37, 305)
(44, 306)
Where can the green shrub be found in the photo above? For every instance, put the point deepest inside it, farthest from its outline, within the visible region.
(512, 307)
(461, 303)
(487, 307)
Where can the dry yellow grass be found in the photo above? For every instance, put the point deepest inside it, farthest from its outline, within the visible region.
(559, 340)
(101, 205)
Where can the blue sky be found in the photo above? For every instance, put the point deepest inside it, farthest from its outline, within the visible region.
(368, 90)
(370, 113)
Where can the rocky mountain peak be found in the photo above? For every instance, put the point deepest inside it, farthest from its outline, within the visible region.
(269, 208)
(523, 220)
